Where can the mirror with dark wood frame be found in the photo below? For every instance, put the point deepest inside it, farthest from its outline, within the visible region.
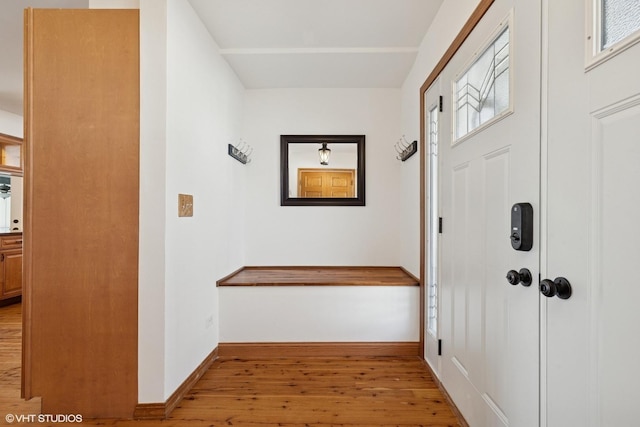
(322, 170)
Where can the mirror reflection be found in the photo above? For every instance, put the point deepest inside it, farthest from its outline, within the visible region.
(325, 170)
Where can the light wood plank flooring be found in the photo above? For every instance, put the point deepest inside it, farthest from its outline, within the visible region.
(328, 391)
(10, 364)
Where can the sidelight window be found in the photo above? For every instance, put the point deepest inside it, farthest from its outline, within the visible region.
(432, 279)
(483, 91)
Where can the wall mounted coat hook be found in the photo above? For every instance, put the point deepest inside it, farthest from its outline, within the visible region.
(405, 149)
(241, 152)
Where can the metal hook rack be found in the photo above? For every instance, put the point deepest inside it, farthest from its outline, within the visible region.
(405, 149)
(241, 152)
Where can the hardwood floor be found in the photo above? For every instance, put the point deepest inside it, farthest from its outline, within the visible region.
(321, 392)
(327, 391)
(10, 364)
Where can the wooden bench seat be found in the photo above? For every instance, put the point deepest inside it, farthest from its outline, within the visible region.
(320, 276)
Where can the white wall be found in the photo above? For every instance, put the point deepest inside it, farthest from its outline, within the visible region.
(191, 107)
(319, 314)
(114, 4)
(11, 124)
(303, 235)
(151, 272)
(204, 114)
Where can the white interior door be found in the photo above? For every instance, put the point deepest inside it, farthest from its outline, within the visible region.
(591, 187)
(489, 328)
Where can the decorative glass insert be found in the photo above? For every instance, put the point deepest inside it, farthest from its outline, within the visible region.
(483, 91)
(433, 218)
(620, 18)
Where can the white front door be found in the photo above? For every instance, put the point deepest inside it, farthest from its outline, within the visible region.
(591, 196)
(489, 328)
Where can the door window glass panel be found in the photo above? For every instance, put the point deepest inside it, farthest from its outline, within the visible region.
(432, 280)
(483, 90)
(620, 18)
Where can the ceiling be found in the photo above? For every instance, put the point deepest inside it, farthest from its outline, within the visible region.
(276, 43)
(318, 43)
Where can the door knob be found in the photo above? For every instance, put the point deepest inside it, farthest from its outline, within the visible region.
(560, 287)
(523, 276)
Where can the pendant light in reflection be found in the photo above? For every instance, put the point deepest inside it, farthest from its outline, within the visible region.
(324, 154)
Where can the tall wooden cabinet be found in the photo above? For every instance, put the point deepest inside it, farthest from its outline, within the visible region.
(80, 301)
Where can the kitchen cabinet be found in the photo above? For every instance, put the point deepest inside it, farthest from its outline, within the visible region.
(11, 155)
(10, 265)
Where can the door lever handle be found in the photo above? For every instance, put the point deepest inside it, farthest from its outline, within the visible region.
(523, 276)
(559, 287)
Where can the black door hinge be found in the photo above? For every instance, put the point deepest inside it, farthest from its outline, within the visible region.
(439, 347)
(440, 104)
(440, 225)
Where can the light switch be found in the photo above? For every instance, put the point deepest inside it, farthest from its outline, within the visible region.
(185, 205)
